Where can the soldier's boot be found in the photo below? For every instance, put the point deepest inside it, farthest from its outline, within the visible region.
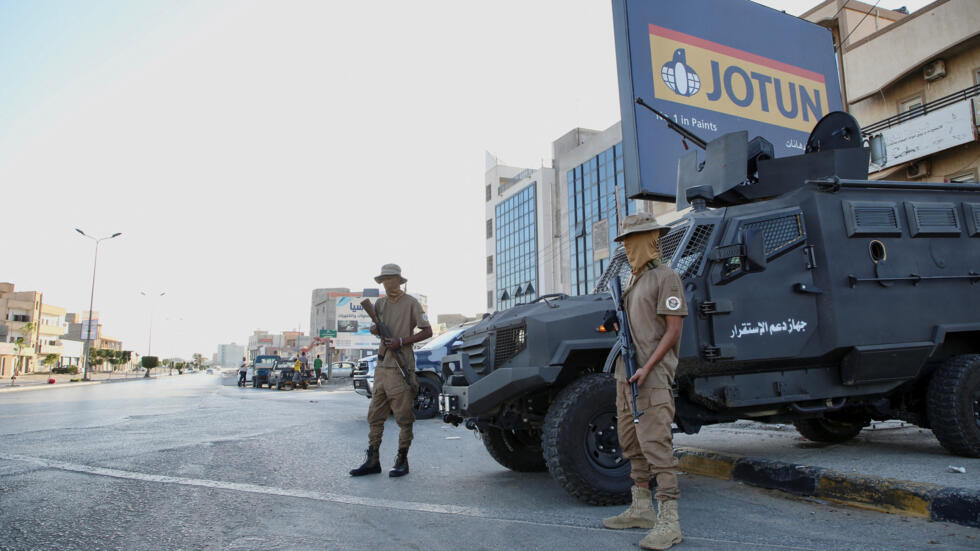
(639, 515)
(667, 531)
(401, 464)
(371, 465)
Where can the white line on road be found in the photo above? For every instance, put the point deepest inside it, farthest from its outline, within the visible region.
(475, 512)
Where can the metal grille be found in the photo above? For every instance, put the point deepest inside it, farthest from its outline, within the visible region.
(618, 266)
(780, 233)
(509, 343)
(670, 242)
(875, 216)
(689, 263)
(936, 216)
(475, 348)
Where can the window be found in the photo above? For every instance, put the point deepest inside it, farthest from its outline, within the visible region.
(963, 177)
(489, 228)
(490, 264)
(515, 225)
(910, 104)
(489, 300)
(489, 193)
(595, 193)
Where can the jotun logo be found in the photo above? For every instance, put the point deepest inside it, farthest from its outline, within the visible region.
(740, 83)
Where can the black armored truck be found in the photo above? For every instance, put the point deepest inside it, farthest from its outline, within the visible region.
(816, 297)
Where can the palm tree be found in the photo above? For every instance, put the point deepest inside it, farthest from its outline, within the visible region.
(20, 343)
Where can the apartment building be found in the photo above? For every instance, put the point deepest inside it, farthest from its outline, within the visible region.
(912, 81)
(30, 330)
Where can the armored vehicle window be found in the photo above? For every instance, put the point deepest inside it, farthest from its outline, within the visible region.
(972, 212)
(670, 242)
(780, 234)
(929, 219)
(689, 263)
(871, 218)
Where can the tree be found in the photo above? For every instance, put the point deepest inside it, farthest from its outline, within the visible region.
(198, 360)
(51, 360)
(20, 344)
(148, 363)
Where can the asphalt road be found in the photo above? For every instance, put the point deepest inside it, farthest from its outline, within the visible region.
(194, 462)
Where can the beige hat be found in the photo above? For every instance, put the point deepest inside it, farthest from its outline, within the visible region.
(390, 270)
(638, 223)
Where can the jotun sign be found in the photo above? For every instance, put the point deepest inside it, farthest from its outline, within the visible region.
(714, 67)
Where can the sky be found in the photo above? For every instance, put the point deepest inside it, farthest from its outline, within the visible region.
(252, 151)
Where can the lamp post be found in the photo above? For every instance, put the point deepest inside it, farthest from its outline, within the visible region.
(149, 340)
(91, 300)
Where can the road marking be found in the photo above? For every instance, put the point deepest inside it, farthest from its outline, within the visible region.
(460, 510)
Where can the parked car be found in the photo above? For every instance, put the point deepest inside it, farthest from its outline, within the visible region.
(261, 369)
(428, 368)
(339, 369)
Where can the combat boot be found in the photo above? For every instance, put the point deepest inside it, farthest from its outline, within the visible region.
(371, 465)
(401, 464)
(667, 532)
(639, 515)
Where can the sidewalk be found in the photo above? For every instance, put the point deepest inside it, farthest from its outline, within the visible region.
(38, 381)
(891, 466)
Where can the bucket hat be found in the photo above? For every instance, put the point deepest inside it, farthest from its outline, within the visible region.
(638, 223)
(390, 270)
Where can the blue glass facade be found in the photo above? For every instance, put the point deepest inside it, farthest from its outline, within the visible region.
(595, 192)
(517, 248)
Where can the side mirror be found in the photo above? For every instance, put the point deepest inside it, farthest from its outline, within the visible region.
(755, 251)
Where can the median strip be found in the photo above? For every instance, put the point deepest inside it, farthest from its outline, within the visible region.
(889, 495)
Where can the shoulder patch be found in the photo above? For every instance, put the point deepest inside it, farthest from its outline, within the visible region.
(673, 303)
(425, 317)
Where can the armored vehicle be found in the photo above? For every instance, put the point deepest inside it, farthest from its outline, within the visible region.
(816, 297)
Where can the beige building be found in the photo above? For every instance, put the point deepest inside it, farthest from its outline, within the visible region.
(25, 316)
(912, 81)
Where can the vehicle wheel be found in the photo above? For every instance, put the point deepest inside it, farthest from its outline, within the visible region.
(581, 447)
(278, 386)
(426, 404)
(953, 405)
(255, 385)
(830, 430)
(518, 450)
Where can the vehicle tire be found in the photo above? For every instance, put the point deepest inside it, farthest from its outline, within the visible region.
(581, 447)
(831, 431)
(953, 405)
(278, 386)
(426, 404)
(255, 385)
(518, 450)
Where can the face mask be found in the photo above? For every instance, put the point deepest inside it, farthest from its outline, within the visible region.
(641, 248)
(393, 287)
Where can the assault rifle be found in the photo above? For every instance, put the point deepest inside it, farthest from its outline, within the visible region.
(385, 333)
(627, 350)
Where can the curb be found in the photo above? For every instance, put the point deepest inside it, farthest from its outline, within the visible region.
(22, 388)
(888, 495)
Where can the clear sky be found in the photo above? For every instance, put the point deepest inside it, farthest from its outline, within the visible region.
(251, 151)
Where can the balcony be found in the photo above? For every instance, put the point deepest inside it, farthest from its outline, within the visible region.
(52, 349)
(924, 130)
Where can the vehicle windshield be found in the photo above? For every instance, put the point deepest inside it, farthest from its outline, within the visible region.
(443, 339)
(265, 362)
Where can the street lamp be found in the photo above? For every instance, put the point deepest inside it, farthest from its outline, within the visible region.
(91, 300)
(149, 341)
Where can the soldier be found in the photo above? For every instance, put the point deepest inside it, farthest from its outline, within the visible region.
(401, 314)
(655, 304)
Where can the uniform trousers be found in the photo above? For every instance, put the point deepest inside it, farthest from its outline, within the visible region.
(648, 445)
(392, 395)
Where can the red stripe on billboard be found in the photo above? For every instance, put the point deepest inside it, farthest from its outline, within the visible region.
(740, 54)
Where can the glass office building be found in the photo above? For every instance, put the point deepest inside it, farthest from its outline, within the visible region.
(596, 205)
(516, 248)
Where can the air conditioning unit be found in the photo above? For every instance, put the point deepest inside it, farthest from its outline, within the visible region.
(935, 70)
(917, 169)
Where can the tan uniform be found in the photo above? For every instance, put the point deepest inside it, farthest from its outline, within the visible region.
(392, 395)
(648, 445)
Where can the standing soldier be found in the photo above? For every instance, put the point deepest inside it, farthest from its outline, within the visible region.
(654, 302)
(401, 314)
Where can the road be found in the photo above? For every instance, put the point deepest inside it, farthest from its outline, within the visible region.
(194, 462)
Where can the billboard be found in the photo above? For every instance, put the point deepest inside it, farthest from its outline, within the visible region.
(714, 67)
(353, 325)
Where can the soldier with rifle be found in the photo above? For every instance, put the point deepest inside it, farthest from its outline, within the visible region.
(652, 310)
(395, 317)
